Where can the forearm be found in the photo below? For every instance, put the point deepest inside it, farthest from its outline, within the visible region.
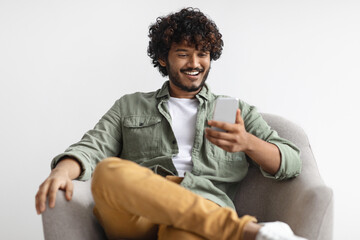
(267, 155)
(70, 166)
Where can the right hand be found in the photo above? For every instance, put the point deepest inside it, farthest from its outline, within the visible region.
(59, 178)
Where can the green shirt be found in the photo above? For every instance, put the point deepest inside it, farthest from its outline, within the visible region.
(138, 128)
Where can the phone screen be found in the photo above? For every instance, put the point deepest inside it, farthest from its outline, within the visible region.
(225, 110)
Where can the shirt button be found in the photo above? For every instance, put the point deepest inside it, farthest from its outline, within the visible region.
(141, 124)
(174, 142)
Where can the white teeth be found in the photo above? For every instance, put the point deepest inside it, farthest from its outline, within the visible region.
(192, 73)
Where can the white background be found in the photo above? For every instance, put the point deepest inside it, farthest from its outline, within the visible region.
(64, 63)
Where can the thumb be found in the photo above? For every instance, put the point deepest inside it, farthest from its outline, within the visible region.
(238, 118)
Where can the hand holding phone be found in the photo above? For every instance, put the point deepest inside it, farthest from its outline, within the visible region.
(233, 138)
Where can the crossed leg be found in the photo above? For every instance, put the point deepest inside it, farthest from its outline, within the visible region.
(132, 202)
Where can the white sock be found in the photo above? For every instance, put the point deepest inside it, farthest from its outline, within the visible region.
(276, 231)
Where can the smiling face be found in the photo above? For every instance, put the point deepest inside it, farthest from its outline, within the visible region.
(188, 69)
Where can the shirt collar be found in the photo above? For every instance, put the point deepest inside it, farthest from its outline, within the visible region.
(164, 92)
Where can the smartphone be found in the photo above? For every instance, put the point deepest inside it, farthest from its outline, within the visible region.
(225, 110)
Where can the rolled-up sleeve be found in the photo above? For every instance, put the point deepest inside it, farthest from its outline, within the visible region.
(104, 140)
(290, 155)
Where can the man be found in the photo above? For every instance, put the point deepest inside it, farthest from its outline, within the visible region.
(180, 176)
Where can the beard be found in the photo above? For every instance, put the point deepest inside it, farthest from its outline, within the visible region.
(174, 77)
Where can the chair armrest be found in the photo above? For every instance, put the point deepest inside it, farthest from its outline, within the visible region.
(305, 203)
(72, 219)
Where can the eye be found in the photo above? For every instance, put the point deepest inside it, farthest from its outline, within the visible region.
(203, 54)
(182, 55)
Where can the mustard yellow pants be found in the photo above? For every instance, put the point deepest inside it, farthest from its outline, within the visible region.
(132, 202)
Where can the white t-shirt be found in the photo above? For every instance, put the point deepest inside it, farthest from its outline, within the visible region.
(183, 114)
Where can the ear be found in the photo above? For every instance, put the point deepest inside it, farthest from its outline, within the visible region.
(162, 62)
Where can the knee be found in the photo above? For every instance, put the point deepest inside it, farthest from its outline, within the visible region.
(114, 173)
(110, 171)
(102, 168)
(112, 164)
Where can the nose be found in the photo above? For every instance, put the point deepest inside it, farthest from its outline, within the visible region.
(193, 61)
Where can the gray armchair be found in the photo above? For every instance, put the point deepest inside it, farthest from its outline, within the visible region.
(305, 203)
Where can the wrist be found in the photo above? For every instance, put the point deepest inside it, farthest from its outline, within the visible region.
(69, 166)
(62, 168)
(249, 146)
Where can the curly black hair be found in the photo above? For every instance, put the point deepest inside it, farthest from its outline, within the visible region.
(189, 25)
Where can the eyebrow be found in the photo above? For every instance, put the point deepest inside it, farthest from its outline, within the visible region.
(187, 50)
(181, 50)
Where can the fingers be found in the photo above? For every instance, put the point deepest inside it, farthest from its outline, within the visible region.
(46, 190)
(217, 134)
(224, 140)
(40, 197)
(69, 190)
(49, 188)
(224, 144)
(221, 139)
(54, 187)
(234, 139)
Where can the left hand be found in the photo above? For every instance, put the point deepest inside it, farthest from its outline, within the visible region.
(235, 139)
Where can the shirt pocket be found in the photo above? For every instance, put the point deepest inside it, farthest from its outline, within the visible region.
(141, 137)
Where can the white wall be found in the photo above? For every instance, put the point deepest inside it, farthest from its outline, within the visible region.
(63, 64)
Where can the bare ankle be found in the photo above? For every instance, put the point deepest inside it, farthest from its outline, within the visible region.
(250, 231)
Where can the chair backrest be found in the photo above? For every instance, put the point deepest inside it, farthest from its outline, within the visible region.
(305, 202)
